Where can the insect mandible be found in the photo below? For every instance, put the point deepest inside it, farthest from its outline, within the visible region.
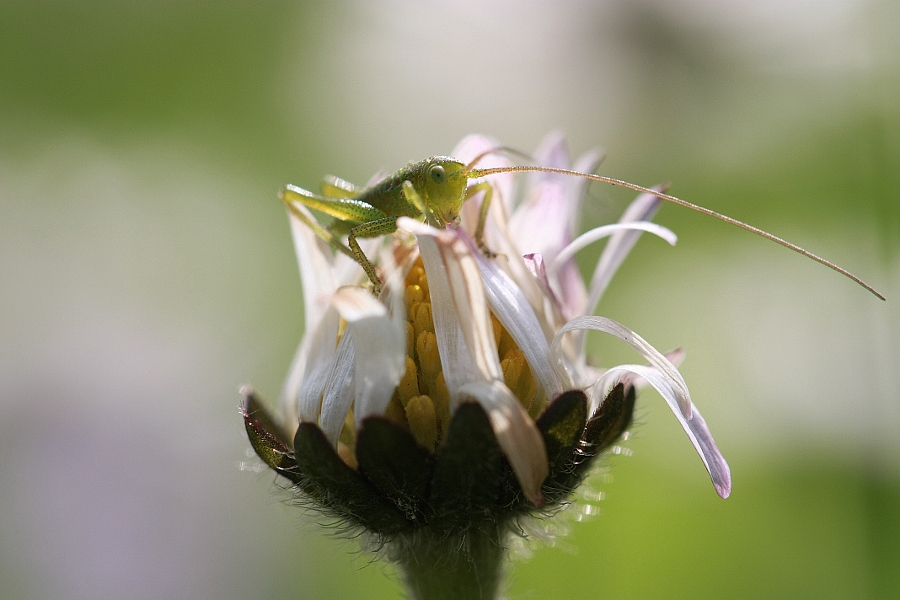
(435, 189)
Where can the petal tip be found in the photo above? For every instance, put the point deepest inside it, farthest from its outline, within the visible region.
(723, 489)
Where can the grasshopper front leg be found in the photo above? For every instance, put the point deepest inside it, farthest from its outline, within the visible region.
(482, 214)
(383, 226)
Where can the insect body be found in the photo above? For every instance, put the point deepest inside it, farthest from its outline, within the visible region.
(436, 188)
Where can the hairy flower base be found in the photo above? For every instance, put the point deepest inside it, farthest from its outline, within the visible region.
(467, 482)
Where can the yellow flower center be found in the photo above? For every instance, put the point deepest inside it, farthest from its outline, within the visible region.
(421, 402)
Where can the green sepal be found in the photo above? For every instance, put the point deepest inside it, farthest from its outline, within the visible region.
(468, 470)
(265, 439)
(391, 460)
(608, 423)
(337, 487)
(562, 425)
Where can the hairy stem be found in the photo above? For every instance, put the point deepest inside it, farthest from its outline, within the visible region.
(453, 566)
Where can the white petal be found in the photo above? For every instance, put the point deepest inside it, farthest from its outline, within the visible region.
(598, 233)
(518, 436)
(318, 349)
(315, 260)
(379, 346)
(338, 390)
(653, 356)
(695, 428)
(457, 298)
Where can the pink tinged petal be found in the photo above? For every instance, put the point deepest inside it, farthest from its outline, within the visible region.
(518, 437)
(379, 346)
(568, 279)
(676, 357)
(641, 209)
(547, 219)
(577, 186)
(653, 356)
(509, 257)
(496, 235)
(473, 145)
(541, 222)
(694, 427)
(538, 268)
(515, 314)
(598, 233)
(553, 152)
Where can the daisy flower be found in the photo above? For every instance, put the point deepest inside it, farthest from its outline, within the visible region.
(435, 417)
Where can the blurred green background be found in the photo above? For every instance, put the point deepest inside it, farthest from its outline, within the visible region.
(146, 271)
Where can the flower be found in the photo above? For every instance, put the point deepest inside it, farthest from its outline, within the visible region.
(462, 399)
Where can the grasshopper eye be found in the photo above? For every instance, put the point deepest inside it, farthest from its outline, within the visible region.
(437, 174)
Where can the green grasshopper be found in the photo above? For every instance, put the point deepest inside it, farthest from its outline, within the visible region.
(435, 189)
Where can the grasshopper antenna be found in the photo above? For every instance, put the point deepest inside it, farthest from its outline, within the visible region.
(495, 150)
(476, 173)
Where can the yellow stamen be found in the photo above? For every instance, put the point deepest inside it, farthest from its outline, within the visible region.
(517, 377)
(395, 412)
(422, 421)
(421, 402)
(422, 319)
(409, 384)
(410, 340)
(429, 360)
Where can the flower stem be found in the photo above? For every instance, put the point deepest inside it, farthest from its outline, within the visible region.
(452, 565)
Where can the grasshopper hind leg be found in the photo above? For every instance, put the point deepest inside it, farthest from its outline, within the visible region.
(289, 196)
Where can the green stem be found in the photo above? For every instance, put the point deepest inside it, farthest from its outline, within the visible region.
(453, 566)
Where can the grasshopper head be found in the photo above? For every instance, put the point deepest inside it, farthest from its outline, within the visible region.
(445, 187)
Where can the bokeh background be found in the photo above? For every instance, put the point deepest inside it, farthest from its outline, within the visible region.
(146, 271)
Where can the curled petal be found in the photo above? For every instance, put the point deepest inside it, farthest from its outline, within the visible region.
(695, 427)
(641, 209)
(603, 231)
(538, 268)
(653, 356)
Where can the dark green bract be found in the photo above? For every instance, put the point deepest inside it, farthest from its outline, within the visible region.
(400, 487)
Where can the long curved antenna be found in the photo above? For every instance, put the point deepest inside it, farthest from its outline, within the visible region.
(475, 173)
(495, 150)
